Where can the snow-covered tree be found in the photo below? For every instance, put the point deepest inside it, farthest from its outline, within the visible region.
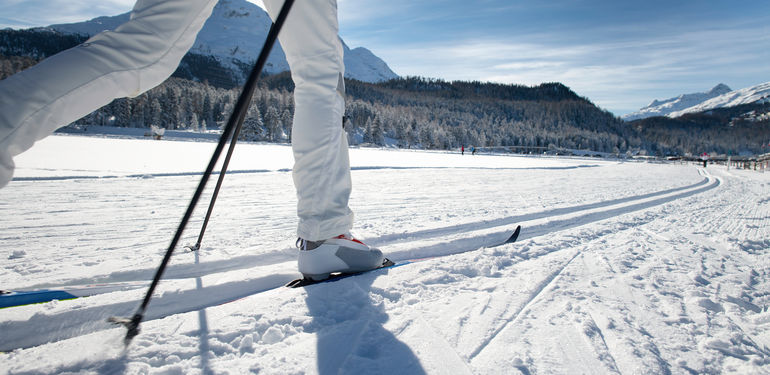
(253, 128)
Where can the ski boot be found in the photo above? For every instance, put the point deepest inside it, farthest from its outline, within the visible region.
(341, 254)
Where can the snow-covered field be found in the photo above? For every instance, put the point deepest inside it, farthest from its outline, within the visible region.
(621, 267)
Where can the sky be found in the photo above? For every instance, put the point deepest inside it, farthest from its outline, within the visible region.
(619, 54)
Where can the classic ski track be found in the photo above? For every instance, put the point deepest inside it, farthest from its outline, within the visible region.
(572, 219)
(187, 271)
(467, 227)
(77, 323)
(176, 271)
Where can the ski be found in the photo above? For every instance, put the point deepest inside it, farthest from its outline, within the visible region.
(513, 237)
(303, 282)
(19, 298)
(387, 263)
(13, 298)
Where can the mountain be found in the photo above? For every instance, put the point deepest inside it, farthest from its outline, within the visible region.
(733, 123)
(233, 36)
(757, 94)
(679, 103)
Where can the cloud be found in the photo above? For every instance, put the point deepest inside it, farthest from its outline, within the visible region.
(32, 13)
(621, 75)
(621, 55)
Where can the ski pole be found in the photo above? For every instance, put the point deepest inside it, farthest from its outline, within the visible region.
(221, 178)
(233, 125)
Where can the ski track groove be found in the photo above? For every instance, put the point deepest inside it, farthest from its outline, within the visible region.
(180, 271)
(554, 278)
(436, 232)
(627, 205)
(603, 347)
(545, 283)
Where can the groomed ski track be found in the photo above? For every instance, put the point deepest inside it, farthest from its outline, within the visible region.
(191, 287)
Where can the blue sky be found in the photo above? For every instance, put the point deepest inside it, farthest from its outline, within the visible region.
(619, 54)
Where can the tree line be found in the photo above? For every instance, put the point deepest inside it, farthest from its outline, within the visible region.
(410, 112)
(725, 131)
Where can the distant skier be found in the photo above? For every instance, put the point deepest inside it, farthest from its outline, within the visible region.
(473, 150)
(462, 150)
(141, 53)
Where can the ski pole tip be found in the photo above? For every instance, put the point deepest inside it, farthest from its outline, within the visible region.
(192, 248)
(131, 324)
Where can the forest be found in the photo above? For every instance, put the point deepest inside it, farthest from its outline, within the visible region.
(743, 129)
(409, 112)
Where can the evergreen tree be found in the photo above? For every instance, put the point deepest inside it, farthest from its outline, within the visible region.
(287, 121)
(170, 105)
(253, 128)
(194, 123)
(273, 123)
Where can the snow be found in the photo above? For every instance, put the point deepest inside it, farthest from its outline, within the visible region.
(621, 267)
(682, 102)
(718, 97)
(755, 94)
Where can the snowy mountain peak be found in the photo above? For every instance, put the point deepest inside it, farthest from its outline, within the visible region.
(679, 103)
(234, 34)
(720, 89)
(755, 94)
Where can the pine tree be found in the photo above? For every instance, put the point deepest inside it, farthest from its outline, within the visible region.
(273, 123)
(154, 114)
(253, 127)
(287, 121)
(194, 123)
(170, 104)
(377, 132)
(121, 109)
(412, 135)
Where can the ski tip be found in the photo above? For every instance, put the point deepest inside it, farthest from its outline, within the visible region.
(515, 235)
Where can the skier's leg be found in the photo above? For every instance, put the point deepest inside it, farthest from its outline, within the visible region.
(321, 166)
(135, 57)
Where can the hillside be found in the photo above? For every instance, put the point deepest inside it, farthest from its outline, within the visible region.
(757, 94)
(417, 112)
(742, 129)
(231, 39)
(410, 112)
(666, 107)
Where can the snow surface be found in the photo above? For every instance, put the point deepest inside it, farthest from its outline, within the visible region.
(621, 267)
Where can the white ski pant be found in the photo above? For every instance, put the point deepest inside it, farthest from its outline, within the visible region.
(143, 52)
(321, 165)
